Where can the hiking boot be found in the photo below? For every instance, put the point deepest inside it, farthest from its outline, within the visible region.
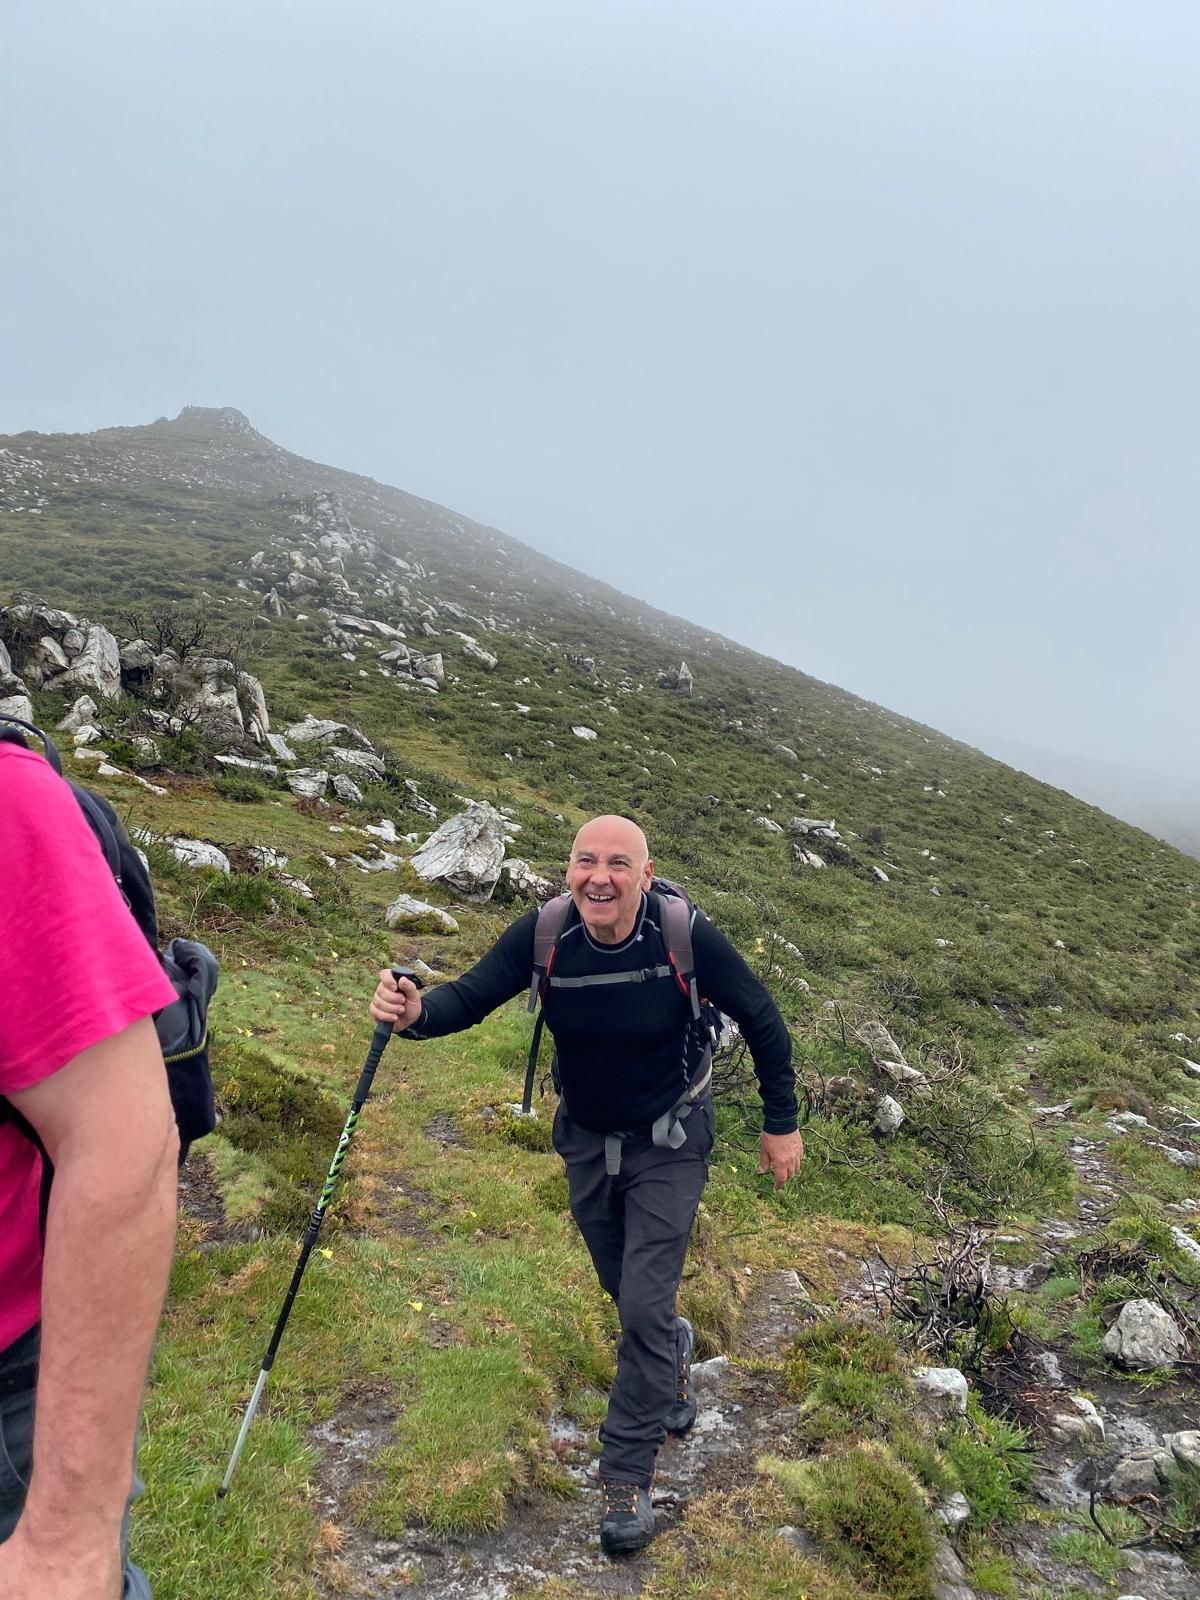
(683, 1413)
(627, 1519)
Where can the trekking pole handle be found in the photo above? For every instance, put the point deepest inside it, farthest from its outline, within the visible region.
(383, 1032)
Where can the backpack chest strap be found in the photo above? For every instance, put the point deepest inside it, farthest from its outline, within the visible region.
(596, 979)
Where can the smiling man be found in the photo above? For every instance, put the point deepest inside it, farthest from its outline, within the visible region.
(635, 1120)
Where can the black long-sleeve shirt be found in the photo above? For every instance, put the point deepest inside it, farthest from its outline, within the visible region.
(623, 1049)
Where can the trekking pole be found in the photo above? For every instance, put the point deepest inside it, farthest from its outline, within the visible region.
(383, 1032)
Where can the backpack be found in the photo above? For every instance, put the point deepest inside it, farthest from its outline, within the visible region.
(672, 912)
(192, 968)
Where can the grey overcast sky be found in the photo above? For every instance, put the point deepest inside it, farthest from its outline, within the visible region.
(866, 333)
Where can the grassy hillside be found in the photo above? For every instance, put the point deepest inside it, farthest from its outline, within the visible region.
(1014, 941)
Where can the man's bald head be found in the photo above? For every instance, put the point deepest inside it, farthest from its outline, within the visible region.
(609, 869)
(613, 830)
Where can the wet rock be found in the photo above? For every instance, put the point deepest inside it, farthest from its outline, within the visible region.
(941, 1390)
(1144, 1337)
(1046, 1364)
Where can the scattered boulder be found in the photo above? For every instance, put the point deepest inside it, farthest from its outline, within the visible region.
(954, 1511)
(406, 909)
(16, 704)
(1144, 1337)
(1185, 1447)
(364, 764)
(318, 731)
(198, 853)
(430, 667)
(942, 1390)
(768, 824)
(814, 825)
(889, 1114)
(280, 748)
(1081, 1424)
(519, 881)
(465, 852)
(347, 790)
(81, 715)
(880, 1043)
(308, 783)
(252, 703)
(585, 733)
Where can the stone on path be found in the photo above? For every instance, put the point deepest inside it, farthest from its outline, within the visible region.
(1144, 1337)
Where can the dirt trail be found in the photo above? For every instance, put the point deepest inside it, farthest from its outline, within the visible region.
(741, 1413)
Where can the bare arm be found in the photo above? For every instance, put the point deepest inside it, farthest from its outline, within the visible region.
(106, 1121)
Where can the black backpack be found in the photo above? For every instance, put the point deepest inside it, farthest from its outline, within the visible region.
(672, 913)
(182, 1027)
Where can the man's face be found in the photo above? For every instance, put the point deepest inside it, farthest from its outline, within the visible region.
(608, 870)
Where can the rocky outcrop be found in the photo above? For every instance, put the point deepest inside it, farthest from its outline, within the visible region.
(466, 852)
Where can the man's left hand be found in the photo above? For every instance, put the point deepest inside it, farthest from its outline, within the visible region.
(780, 1153)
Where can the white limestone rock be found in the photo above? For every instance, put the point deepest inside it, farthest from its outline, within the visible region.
(466, 852)
(407, 909)
(1144, 1337)
(941, 1389)
(198, 853)
(308, 783)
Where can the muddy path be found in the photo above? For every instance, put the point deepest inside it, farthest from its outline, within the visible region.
(742, 1412)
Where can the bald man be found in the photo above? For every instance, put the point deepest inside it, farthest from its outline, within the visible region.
(626, 1051)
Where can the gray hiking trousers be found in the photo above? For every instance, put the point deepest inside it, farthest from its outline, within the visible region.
(18, 1385)
(636, 1225)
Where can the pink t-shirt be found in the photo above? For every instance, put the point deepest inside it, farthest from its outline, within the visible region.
(75, 968)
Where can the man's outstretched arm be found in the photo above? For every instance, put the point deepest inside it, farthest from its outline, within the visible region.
(106, 1122)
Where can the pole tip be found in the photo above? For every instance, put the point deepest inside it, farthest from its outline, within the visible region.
(222, 1491)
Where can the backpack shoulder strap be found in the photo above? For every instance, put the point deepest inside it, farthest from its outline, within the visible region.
(547, 931)
(96, 816)
(674, 917)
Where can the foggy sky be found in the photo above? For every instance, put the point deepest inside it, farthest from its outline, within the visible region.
(864, 333)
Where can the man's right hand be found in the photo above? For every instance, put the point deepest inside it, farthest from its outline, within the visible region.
(396, 1000)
